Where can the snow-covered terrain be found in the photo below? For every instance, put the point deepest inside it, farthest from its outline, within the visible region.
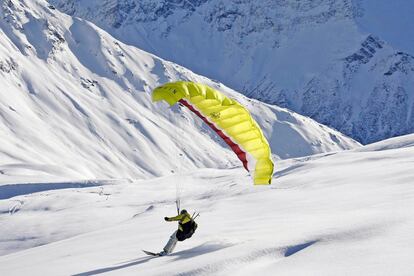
(391, 20)
(337, 61)
(348, 213)
(75, 104)
(89, 167)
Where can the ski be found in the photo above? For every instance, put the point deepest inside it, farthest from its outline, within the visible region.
(152, 253)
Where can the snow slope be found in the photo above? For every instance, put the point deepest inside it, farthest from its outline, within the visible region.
(89, 167)
(347, 213)
(391, 20)
(314, 57)
(75, 104)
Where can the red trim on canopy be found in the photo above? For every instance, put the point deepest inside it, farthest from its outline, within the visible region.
(236, 148)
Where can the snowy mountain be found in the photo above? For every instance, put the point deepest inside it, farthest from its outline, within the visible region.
(367, 109)
(390, 20)
(75, 104)
(324, 59)
(89, 166)
(348, 213)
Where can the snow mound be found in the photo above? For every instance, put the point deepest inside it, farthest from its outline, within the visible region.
(393, 143)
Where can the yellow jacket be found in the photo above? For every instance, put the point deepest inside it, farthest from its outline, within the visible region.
(182, 219)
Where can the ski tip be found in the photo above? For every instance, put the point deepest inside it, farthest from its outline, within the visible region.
(152, 253)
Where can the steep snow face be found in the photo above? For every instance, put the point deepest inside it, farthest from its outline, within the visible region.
(391, 20)
(367, 109)
(75, 103)
(348, 213)
(276, 51)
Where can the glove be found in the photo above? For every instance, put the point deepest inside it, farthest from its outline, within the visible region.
(166, 218)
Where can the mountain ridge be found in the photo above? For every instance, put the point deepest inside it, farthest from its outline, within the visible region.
(268, 50)
(77, 103)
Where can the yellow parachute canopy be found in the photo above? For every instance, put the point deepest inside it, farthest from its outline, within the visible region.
(229, 119)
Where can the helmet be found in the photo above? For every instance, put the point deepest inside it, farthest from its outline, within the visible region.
(183, 211)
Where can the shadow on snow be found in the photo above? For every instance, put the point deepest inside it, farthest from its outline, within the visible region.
(185, 254)
(112, 268)
(200, 250)
(296, 248)
(12, 190)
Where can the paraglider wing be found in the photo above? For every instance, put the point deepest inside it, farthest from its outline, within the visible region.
(229, 119)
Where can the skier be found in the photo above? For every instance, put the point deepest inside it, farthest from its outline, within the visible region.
(186, 228)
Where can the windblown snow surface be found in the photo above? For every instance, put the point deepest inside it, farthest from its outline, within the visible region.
(89, 167)
(346, 213)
